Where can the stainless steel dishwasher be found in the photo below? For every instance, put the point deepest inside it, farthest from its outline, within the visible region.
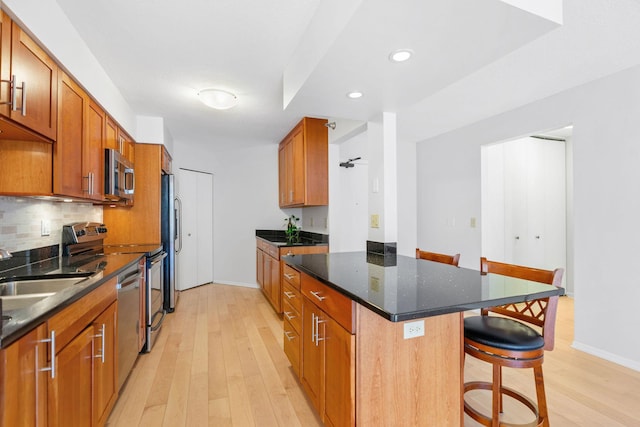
(128, 319)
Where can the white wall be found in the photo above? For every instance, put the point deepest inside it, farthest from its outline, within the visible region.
(245, 198)
(606, 177)
(349, 196)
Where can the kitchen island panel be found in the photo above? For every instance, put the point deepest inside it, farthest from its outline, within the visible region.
(415, 381)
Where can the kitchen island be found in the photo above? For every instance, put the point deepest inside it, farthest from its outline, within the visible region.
(381, 341)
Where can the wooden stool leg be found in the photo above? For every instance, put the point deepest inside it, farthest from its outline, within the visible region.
(496, 395)
(542, 399)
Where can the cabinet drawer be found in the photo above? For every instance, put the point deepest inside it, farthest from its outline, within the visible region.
(332, 302)
(292, 296)
(292, 346)
(291, 275)
(273, 251)
(292, 315)
(69, 322)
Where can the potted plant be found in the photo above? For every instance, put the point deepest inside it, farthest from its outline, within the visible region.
(293, 231)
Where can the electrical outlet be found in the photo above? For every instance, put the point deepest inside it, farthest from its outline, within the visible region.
(414, 329)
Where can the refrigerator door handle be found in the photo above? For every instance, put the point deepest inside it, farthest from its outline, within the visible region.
(178, 219)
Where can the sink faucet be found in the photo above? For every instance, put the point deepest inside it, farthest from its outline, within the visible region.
(5, 254)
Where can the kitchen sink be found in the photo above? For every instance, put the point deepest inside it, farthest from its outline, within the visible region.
(20, 292)
(15, 302)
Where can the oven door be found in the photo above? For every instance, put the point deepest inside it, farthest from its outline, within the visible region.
(155, 298)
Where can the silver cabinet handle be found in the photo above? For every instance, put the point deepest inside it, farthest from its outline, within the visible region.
(317, 295)
(102, 336)
(12, 100)
(51, 368)
(289, 335)
(313, 325)
(287, 275)
(288, 315)
(178, 204)
(289, 295)
(318, 321)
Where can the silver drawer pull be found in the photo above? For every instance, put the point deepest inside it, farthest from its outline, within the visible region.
(289, 335)
(289, 276)
(289, 316)
(102, 336)
(51, 368)
(316, 294)
(289, 295)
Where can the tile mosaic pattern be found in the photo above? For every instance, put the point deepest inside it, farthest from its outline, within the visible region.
(21, 219)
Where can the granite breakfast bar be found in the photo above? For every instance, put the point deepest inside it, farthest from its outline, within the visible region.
(381, 340)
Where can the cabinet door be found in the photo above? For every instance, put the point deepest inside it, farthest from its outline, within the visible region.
(296, 163)
(70, 392)
(37, 74)
(282, 176)
(276, 292)
(260, 268)
(111, 134)
(339, 362)
(93, 153)
(312, 371)
(67, 153)
(104, 365)
(23, 384)
(5, 63)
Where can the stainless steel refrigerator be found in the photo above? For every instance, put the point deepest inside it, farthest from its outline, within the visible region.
(169, 234)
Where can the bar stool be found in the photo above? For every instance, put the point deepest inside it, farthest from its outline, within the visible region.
(434, 256)
(508, 340)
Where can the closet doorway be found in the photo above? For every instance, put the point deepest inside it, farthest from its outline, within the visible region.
(524, 200)
(194, 248)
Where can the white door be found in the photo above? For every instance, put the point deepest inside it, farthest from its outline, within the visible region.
(526, 191)
(194, 258)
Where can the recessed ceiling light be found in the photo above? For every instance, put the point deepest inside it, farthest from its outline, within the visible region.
(400, 55)
(355, 95)
(218, 98)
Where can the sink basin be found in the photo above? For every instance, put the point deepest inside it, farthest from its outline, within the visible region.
(21, 292)
(18, 287)
(15, 302)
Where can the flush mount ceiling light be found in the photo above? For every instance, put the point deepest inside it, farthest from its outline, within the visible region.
(400, 55)
(218, 98)
(354, 95)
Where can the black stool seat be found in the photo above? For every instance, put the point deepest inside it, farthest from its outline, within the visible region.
(503, 333)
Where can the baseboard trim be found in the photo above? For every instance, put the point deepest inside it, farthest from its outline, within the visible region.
(627, 363)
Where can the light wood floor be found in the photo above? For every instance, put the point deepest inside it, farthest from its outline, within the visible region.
(219, 362)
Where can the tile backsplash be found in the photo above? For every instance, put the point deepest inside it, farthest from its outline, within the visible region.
(21, 221)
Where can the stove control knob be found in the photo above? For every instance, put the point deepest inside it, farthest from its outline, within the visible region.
(80, 233)
(102, 229)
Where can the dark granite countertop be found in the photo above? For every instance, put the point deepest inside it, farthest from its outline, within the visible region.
(279, 238)
(21, 321)
(414, 288)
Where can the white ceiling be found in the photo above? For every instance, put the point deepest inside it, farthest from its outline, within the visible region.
(473, 59)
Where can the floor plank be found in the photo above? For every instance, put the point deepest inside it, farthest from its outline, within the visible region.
(219, 362)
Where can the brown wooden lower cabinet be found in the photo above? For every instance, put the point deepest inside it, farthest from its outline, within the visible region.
(23, 382)
(84, 388)
(357, 368)
(270, 267)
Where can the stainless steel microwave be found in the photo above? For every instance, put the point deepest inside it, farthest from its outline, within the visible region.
(119, 178)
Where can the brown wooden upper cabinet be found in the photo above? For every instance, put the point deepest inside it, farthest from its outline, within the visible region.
(78, 158)
(29, 81)
(303, 159)
(119, 140)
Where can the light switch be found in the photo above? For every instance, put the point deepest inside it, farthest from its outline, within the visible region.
(375, 221)
(45, 227)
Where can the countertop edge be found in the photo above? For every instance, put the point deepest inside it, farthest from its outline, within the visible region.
(15, 334)
(401, 317)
